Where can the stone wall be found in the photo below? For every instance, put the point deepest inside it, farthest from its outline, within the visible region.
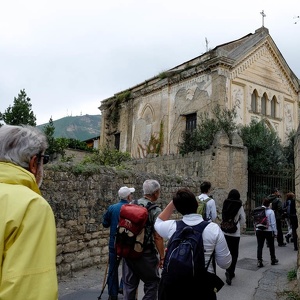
(297, 191)
(79, 201)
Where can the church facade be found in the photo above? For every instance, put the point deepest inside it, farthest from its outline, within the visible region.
(249, 74)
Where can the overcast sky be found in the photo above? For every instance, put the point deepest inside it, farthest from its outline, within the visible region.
(70, 55)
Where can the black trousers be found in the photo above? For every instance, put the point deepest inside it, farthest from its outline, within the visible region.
(279, 231)
(294, 224)
(233, 245)
(261, 236)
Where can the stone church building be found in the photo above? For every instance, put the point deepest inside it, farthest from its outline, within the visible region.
(249, 74)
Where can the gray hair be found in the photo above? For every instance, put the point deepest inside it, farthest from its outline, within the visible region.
(150, 186)
(18, 144)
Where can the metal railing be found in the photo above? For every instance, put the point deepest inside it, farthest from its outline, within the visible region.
(260, 186)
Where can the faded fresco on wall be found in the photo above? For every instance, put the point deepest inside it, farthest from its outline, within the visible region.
(238, 102)
(288, 117)
(142, 131)
(187, 101)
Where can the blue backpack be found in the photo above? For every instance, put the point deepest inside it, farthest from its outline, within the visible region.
(184, 259)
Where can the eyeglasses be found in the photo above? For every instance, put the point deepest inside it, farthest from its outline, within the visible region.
(45, 158)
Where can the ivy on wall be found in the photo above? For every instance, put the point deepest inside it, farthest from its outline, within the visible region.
(115, 106)
(155, 144)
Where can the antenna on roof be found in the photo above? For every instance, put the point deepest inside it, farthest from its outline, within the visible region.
(263, 16)
(296, 18)
(206, 43)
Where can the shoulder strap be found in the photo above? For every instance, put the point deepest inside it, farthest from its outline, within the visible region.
(151, 205)
(210, 258)
(199, 227)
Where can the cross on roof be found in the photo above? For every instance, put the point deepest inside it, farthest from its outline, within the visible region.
(263, 16)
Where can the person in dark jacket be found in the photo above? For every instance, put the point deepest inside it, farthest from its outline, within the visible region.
(277, 207)
(233, 208)
(292, 216)
(111, 219)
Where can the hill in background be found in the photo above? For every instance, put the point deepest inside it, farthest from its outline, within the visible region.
(80, 127)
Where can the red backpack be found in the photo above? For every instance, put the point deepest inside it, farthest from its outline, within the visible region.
(130, 237)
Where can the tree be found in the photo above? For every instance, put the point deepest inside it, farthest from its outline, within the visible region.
(288, 149)
(20, 113)
(49, 130)
(265, 152)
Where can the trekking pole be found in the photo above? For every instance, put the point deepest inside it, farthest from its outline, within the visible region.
(104, 280)
(116, 265)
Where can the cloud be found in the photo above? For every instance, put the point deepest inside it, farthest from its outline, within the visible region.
(70, 55)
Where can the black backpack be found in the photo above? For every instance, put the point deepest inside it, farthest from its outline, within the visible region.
(260, 220)
(229, 211)
(184, 260)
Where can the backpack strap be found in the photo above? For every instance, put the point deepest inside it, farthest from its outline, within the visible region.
(149, 207)
(210, 258)
(199, 227)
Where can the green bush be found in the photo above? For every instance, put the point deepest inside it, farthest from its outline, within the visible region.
(203, 136)
(107, 157)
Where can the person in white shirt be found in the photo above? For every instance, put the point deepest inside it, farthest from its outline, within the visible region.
(211, 211)
(185, 202)
(268, 234)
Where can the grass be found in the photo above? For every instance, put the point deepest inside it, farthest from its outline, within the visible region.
(291, 291)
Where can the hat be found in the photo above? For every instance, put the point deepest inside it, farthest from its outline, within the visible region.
(125, 191)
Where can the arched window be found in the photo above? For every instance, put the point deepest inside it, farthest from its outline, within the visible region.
(264, 104)
(254, 101)
(273, 107)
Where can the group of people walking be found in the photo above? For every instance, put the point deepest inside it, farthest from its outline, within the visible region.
(29, 224)
(147, 267)
(224, 245)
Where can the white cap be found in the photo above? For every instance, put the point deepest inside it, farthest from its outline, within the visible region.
(125, 191)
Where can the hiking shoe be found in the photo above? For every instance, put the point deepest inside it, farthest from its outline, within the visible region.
(120, 291)
(260, 264)
(228, 278)
(274, 261)
(295, 249)
(282, 245)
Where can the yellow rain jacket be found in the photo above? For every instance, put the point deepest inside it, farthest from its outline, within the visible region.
(27, 238)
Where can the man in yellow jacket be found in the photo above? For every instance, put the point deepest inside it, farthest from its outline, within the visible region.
(27, 230)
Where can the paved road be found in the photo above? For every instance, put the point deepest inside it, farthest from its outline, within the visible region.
(250, 283)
